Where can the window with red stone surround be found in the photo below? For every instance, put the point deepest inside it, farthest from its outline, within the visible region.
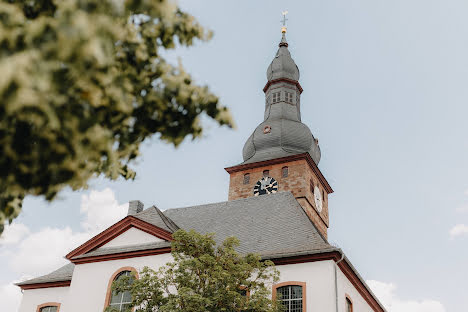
(113, 278)
(48, 307)
(295, 300)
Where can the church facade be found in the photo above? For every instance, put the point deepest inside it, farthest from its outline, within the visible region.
(277, 207)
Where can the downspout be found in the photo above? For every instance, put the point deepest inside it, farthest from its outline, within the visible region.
(336, 279)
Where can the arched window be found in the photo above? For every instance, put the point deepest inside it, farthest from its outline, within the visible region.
(49, 307)
(285, 172)
(291, 295)
(247, 178)
(312, 186)
(120, 301)
(266, 173)
(349, 304)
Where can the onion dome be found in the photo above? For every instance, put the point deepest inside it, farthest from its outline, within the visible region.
(282, 133)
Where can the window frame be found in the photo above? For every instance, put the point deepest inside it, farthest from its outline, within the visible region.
(285, 172)
(292, 283)
(48, 304)
(112, 279)
(246, 179)
(350, 301)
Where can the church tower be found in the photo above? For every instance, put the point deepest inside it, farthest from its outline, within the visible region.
(282, 154)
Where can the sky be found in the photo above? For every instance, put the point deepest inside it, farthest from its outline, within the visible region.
(384, 92)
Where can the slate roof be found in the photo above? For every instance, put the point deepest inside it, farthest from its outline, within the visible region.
(64, 273)
(156, 217)
(274, 226)
(268, 225)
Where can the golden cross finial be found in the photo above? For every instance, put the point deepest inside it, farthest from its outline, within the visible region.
(283, 29)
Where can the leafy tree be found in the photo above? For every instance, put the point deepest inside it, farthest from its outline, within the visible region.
(83, 83)
(204, 278)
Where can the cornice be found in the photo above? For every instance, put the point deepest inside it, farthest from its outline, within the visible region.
(281, 160)
(274, 81)
(122, 255)
(114, 231)
(45, 285)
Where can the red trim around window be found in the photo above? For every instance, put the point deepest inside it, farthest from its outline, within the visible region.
(292, 283)
(111, 280)
(48, 304)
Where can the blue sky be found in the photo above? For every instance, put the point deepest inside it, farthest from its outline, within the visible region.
(385, 91)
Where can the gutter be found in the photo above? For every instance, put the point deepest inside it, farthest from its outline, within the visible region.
(336, 279)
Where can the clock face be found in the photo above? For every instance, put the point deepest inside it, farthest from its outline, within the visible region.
(318, 199)
(265, 185)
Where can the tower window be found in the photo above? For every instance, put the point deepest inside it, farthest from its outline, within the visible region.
(323, 195)
(266, 173)
(312, 186)
(291, 297)
(285, 172)
(276, 97)
(247, 178)
(289, 97)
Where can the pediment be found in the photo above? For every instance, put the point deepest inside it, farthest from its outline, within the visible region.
(128, 231)
(132, 236)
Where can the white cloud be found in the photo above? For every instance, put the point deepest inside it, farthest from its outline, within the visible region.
(102, 210)
(457, 230)
(386, 292)
(13, 233)
(11, 297)
(49, 245)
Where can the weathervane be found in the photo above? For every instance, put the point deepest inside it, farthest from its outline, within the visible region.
(283, 29)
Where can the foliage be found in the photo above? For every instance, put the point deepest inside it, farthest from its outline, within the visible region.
(83, 83)
(205, 278)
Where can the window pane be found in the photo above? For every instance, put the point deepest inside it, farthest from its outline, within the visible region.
(290, 297)
(296, 292)
(284, 292)
(120, 301)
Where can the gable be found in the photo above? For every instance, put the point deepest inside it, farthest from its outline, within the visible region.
(132, 236)
(116, 230)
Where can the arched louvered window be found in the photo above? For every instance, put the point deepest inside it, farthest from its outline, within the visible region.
(285, 172)
(120, 301)
(291, 295)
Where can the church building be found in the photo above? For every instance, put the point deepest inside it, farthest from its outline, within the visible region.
(277, 207)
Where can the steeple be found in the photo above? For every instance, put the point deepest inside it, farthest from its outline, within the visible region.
(281, 133)
(282, 154)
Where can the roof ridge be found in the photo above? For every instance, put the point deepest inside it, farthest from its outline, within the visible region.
(167, 221)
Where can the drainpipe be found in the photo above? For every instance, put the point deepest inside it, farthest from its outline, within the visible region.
(336, 279)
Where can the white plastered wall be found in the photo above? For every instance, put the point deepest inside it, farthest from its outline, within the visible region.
(320, 283)
(32, 298)
(132, 236)
(345, 287)
(91, 280)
